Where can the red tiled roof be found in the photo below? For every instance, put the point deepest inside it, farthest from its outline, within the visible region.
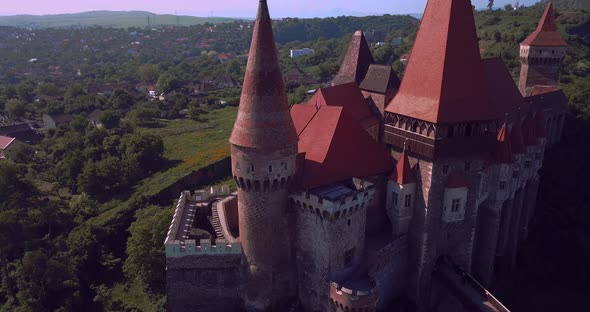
(528, 127)
(503, 148)
(402, 174)
(336, 147)
(516, 137)
(540, 124)
(503, 94)
(349, 97)
(456, 180)
(5, 142)
(538, 90)
(263, 119)
(356, 62)
(444, 81)
(546, 34)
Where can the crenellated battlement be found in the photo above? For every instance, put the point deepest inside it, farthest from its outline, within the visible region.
(177, 243)
(263, 186)
(176, 248)
(345, 299)
(333, 209)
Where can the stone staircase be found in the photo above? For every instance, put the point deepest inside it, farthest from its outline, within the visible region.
(215, 222)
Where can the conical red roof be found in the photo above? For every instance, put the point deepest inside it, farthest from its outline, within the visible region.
(402, 174)
(263, 120)
(516, 138)
(528, 127)
(540, 124)
(357, 61)
(444, 80)
(504, 148)
(546, 34)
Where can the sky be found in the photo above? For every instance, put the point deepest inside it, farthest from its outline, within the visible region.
(230, 8)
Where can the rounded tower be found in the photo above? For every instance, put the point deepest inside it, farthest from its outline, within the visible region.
(264, 152)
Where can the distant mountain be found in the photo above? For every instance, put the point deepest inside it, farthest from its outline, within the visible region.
(106, 19)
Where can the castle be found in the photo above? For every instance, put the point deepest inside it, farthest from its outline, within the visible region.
(376, 189)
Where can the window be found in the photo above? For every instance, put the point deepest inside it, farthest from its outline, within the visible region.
(445, 169)
(349, 257)
(467, 166)
(349, 222)
(468, 130)
(502, 185)
(251, 167)
(538, 156)
(270, 169)
(527, 164)
(515, 174)
(451, 131)
(456, 205)
(394, 197)
(408, 201)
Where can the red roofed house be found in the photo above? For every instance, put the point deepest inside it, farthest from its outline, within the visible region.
(374, 190)
(6, 144)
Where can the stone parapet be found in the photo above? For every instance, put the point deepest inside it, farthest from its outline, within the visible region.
(385, 255)
(345, 299)
(205, 247)
(333, 209)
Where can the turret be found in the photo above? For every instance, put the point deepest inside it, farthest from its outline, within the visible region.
(263, 152)
(401, 192)
(541, 55)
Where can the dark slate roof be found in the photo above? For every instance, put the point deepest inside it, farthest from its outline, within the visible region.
(554, 101)
(356, 62)
(380, 79)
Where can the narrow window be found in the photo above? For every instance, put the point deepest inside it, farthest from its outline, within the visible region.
(515, 174)
(394, 196)
(456, 205)
(251, 167)
(349, 222)
(445, 169)
(527, 164)
(270, 169)
(538, 156)
(468, 130)
(467, 166)
(502, 185)
(348, 257)
(451, 131)
(408, 201)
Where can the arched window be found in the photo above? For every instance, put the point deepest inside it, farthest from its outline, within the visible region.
(451, 132)
(415, 127)
(468, 130)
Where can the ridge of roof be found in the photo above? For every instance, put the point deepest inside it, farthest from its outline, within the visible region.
(263, 120)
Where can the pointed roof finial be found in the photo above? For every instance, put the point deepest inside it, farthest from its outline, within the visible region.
(263, 12)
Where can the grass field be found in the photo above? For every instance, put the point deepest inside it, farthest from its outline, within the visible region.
(189, 145)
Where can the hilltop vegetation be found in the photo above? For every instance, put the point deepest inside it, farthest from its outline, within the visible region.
(78, 228)
(571, 4)
(123, 19)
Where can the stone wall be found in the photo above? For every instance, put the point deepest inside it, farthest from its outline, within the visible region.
(205, 283)
(540, 66)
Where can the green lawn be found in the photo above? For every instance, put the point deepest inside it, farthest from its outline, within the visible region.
(189, 145)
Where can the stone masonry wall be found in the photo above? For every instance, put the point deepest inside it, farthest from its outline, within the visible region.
(205, 283)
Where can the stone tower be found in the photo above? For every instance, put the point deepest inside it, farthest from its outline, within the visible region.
(263, 152)
(541, 55)
(450, 127)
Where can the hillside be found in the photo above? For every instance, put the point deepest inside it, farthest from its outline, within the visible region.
(105, 19)
(571, 4)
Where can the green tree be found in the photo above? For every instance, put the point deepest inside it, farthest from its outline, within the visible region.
(149, 72)
(110, 119)
(167, 83)
(22, 153)
(490, 4)
(146, 261)
(15, 109)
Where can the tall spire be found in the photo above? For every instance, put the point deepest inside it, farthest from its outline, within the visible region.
(546, 34)
(357, 61)
(402, 174)
(263, 120)
(503, 148)
(444, 79)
